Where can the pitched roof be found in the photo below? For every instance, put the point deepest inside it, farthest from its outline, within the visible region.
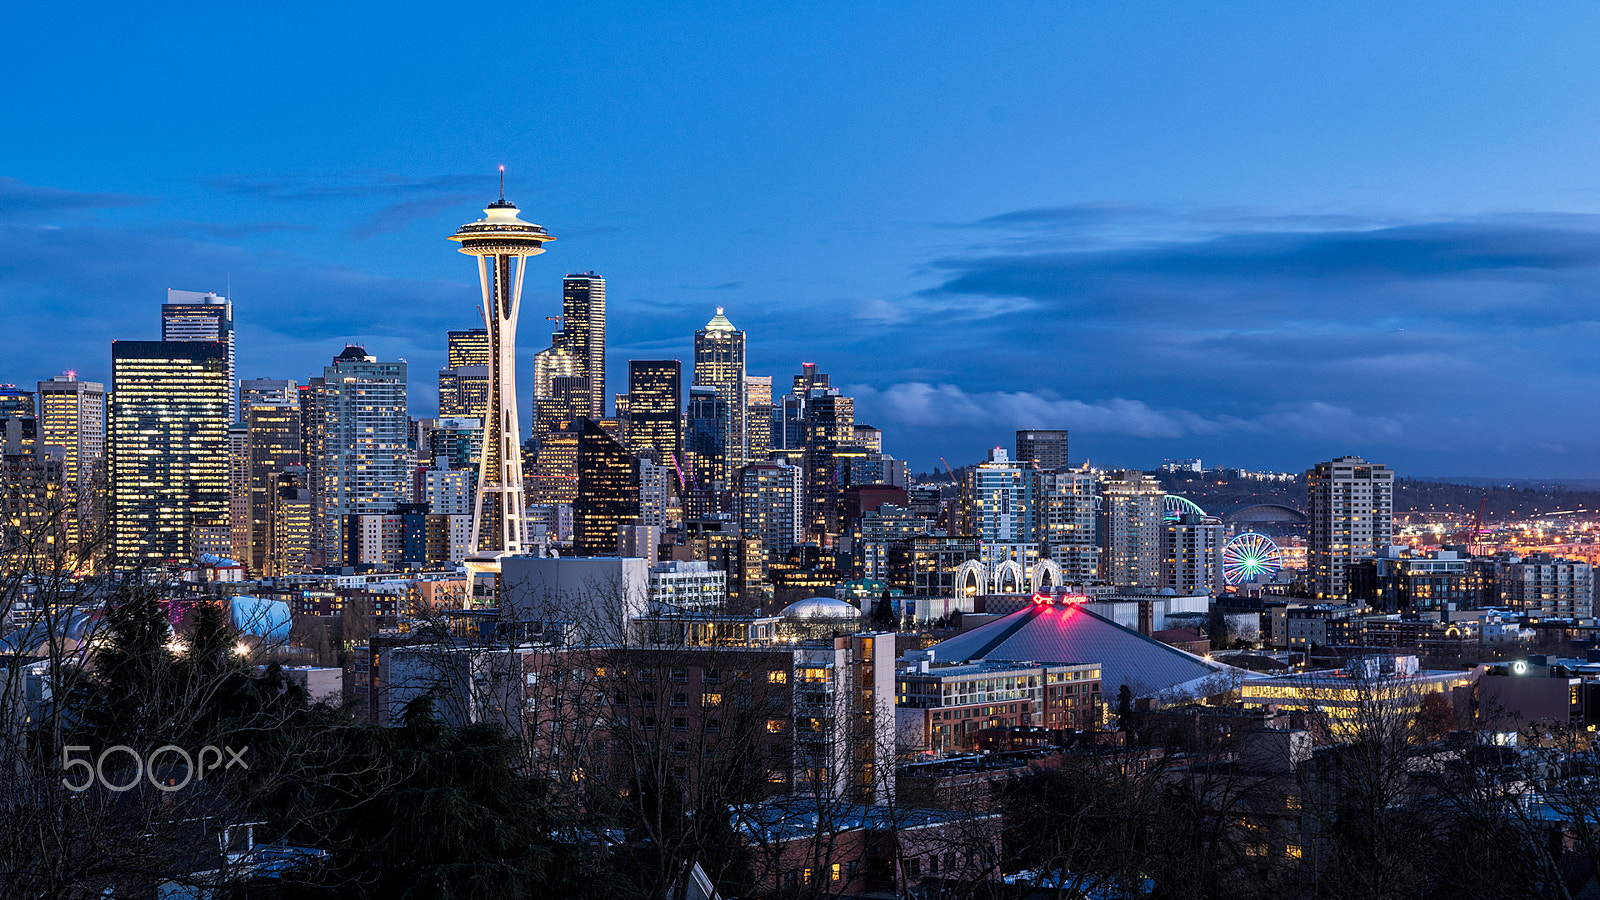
(1064, 634)
(719, 322)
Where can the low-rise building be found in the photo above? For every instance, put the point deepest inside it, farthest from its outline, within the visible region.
(689, 585)
(1369, 691)
(942, 708)
(1545, 585)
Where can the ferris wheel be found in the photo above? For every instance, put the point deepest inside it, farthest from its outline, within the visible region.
(1249, 555)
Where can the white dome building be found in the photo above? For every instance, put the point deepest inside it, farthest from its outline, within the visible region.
(818, 617)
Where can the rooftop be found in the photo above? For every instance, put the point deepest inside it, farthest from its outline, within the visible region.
(1071, 633)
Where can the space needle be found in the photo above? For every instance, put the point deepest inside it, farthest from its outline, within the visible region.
(502, 243)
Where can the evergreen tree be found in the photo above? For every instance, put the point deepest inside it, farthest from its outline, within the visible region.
(1125, 710)
(883, 613)
(1217, 627)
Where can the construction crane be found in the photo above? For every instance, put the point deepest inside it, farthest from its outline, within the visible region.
(953, 478)
(1474, 532)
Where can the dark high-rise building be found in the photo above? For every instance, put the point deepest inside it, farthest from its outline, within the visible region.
(809, 378)
(705, 437)
(1047, 449)
(830, 431)
(719, 364)
(16, 402)
(34, 511)
(608, 492)
(170, 409)
(468, 348)
(266, 390)
(583, 326)
(464, 391)
(464, 382)
(655, 404)
(274, 447)
(312, 441)
(201, 316)
(787, 430)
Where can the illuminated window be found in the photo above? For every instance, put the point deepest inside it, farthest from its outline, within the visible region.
(778, 678)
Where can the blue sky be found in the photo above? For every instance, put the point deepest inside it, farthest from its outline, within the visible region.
(1261, 234)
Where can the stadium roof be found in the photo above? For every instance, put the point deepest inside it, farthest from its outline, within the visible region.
(1064, 633)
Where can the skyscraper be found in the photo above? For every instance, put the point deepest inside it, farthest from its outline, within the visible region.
(168, 448)
(363, 438)
(312, 444)
(1047, 449)
(1000, 501)
(274, 447)
(1069, 523)
(201, 316)
(560, 395)
(266, 390)
(608, 492)
(555, 478)
(239, 493)
(34, 511)
(289, 548)
(705, 437)
(1191, 554)
(468, 348)
(464, 382)
(16, 402)
(758, 416)
(1131, 520)
(583, 326)
(830, 430)
(655, 408)
(719, 364)
(72, 416)
(1350, 516)
(464, 391)
(503, 243)
(769, 507)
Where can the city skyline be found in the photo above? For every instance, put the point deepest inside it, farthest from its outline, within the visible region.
(1323, 244)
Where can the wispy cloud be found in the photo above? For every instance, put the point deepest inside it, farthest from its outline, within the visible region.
(917, 404)
(397, 216)
(316, 188)
(18, 199)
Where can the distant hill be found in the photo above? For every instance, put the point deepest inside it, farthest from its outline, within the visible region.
(1413, 496)
(1502, 499)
